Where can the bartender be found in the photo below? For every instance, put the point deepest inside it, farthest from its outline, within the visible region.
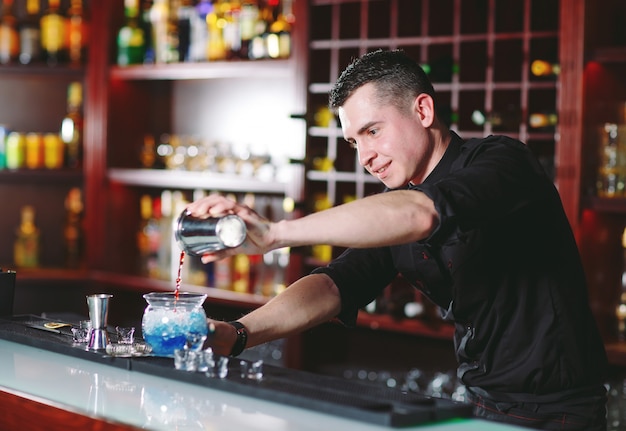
(476, 225)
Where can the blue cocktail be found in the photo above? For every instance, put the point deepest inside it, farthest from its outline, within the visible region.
(170, 321)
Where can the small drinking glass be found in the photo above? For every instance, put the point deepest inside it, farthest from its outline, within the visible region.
(195, 341)
(82, 331)
(208, 362)
(186, 360)
(125, 335)
(221, 368)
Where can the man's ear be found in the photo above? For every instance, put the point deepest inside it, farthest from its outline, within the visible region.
(424, 108)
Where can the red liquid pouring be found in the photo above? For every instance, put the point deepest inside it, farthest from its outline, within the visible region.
(179, 277)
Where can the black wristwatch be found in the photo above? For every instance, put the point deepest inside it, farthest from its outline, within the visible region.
(242, 338)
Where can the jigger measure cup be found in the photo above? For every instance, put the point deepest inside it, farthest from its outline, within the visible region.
(197, 236)
(98, 314)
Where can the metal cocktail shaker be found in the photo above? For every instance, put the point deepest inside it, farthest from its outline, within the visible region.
(198, 236)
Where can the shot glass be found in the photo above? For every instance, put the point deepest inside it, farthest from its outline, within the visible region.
(251, 371)
(81, 332)
(208, 362)
(195, 341)
(186, 360)
(125, 335)
(221, 367)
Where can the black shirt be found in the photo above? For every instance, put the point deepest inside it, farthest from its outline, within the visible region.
(503, 264)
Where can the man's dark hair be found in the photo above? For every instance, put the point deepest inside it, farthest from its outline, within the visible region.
(397, 77)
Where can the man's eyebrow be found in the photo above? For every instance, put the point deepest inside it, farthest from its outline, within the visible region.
(366, 126)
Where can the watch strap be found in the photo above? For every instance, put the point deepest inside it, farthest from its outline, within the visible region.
(242, 338)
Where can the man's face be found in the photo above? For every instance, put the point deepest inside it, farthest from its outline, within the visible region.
(393, 146)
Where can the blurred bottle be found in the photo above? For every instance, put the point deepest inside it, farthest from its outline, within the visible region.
(4, 131)
(147, 154)
(165, 228)
(241, 273)
(612, 169)
(9, 36)
(34, 151)
(54, 157)
(146, 25)
(77, 33)
(26, 248)
(216, 49)
(131, 43)
(508, 119)
(185, 15)
(15, 150)
(30, 34)
(159, 18)
(72, 126)
(172, 38)
(199, 31)
(231, 28)
(73, 229)
(620, 311)
(248, 18)
(543, 68)
(279, 38)
(543, 120)
(148, 237)
(53, 34)
(322, 252)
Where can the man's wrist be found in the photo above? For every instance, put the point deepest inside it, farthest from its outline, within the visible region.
(242, 338)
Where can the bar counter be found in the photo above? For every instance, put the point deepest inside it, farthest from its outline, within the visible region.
(84, 394)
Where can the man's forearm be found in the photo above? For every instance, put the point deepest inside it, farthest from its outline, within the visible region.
(311, 300)
(391, 218)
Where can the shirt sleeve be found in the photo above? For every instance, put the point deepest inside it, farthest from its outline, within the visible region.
(360, 275)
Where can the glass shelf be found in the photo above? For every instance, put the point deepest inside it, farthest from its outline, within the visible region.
(213, 70)
(194, 180)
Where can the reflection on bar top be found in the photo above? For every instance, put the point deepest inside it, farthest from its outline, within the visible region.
(156, 403)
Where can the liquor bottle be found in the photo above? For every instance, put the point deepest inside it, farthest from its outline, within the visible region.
(199, 38)
(146, 25)
(541, 120)
(159, 17)
(73, 230)
(72, 126)
(279, 39)
(26, 248)
(543, 68)
(241, 273)
(611, 170)
(15, 150)
(508, 119)
(30, 34)
(9, 37)
(216, 49)
(53, 28)
(172, 38)
(53, 151)
(130, 38)
(3, 149)
(77, 33)
(186, 14)
(620, 310)
(34, 151)
(248, 18)
(148, 237)
(164, 254)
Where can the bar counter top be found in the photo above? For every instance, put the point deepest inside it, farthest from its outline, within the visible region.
(124, 399)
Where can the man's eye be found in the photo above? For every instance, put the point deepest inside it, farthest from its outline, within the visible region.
(372, 131)
(352, 144)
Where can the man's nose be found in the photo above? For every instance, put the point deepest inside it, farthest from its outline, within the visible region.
(365, 154)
